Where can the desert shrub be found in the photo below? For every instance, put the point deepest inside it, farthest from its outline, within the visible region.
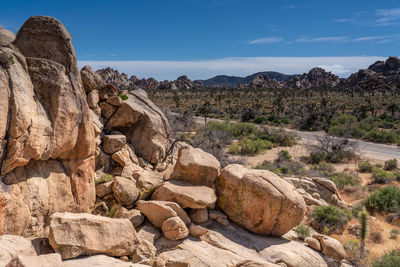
(396, 175)
(356, 210)
(331, 217)
(123, 97)
(385, 200)
(302, 230)
(381, 176)
(394, 233)
(240, 129)
(352, 247)
(342, 179)
(391, 259)
(390, 165)
(378, 165)
(376, 236)
(290, 167)
(248, 146)
(248, 114)
(104, 179)
(365, 166)
(323, 168)
(284, 155)
(261, 120)
(278, 136)
(381, 136)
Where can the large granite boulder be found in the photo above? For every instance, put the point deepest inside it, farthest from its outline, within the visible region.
(259, 200)
(75, 234)
(13, 245)
(196, 166)
(144, 124)
(43, 115)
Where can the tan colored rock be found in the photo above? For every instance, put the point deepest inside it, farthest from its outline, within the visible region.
(218, 217)
(107, 91)
(196, 230)
(33, 192)
(93, 99)
(149, 232)
(116, 101)
(180, 212)
(125, 191)
(326, 183)
(135, 216)
(259, 200)
(150, 136)
(107, 110)
(98, 128)
(331, 247)
(125, 156)
(99, 261)
(313, 243)
(147, 182)
(6, 37)
(13, 245)
(174, 229)
(90, 79)
(47, 260)
(199, 215)
(104, 189)
(316, 195)
(113, 143)
(186, 194)
(156, 211)
(74, 234)
(196, 166)
(131, 171)
(145, 253)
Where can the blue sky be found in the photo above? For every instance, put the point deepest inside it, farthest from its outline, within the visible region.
(201, 38)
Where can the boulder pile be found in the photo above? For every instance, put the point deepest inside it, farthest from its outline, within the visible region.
(86, 175)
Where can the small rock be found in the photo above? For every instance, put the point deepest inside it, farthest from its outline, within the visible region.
(125, 156)
(124, 258)
(93, 99)
(316, 195)
(104, 189)
(196, 230)
(149, 232)
(113, 143)
(218, 217)
(47, 260)
(107, 110)
(90, 79)
(174, 229)
(116, 101)
(125, 191)
(199, 215)
(157, 211)
(145, 253)
(147, 182)
(107, 91)
(331, 247)
(135, 216)
(313, 243)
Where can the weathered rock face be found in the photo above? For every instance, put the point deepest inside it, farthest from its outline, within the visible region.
(6, 37)
(45, 117)
(99, 261)
(196, 166)
(91, 80)
(74, 234)
(13, 245)
(174, 229)
(315, 78)
(48, 260)
(258, 200)
(145, 126)
(265, 82)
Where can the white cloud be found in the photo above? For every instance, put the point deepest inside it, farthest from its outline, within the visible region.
(378, 17)
(322, 39)
(236, 66)
(267, 40)
(370, 38)
(387, 16)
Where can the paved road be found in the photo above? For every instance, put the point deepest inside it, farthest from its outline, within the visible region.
(366, 149)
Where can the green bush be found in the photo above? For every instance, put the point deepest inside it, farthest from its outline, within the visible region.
(288, 167)
(365, 166)
(123, 97)
(104, 179)
(381, 176)
(385, 200)
(261, 120)
(303, 231)
(381, 136)
(352, 247)
(248, 146)
(278, 136)
(284, 155)
(390, 164)
(391, 259)
(343, 179)
(321, 169)
(394, 233)
(331, 217)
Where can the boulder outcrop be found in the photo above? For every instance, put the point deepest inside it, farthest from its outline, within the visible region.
(259, 200)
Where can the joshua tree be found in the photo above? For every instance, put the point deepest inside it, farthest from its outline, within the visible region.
(363, 217)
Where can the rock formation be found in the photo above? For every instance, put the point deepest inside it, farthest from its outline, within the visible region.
(85, 171)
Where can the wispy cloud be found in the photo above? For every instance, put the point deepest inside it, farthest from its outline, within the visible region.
(370, 38)
(267, 40)
(322, 39)
(377, 17)
(204, 69)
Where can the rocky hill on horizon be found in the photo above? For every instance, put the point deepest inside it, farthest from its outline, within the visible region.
(382, 75)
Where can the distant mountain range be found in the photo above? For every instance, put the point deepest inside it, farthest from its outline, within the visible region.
(233, 81)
